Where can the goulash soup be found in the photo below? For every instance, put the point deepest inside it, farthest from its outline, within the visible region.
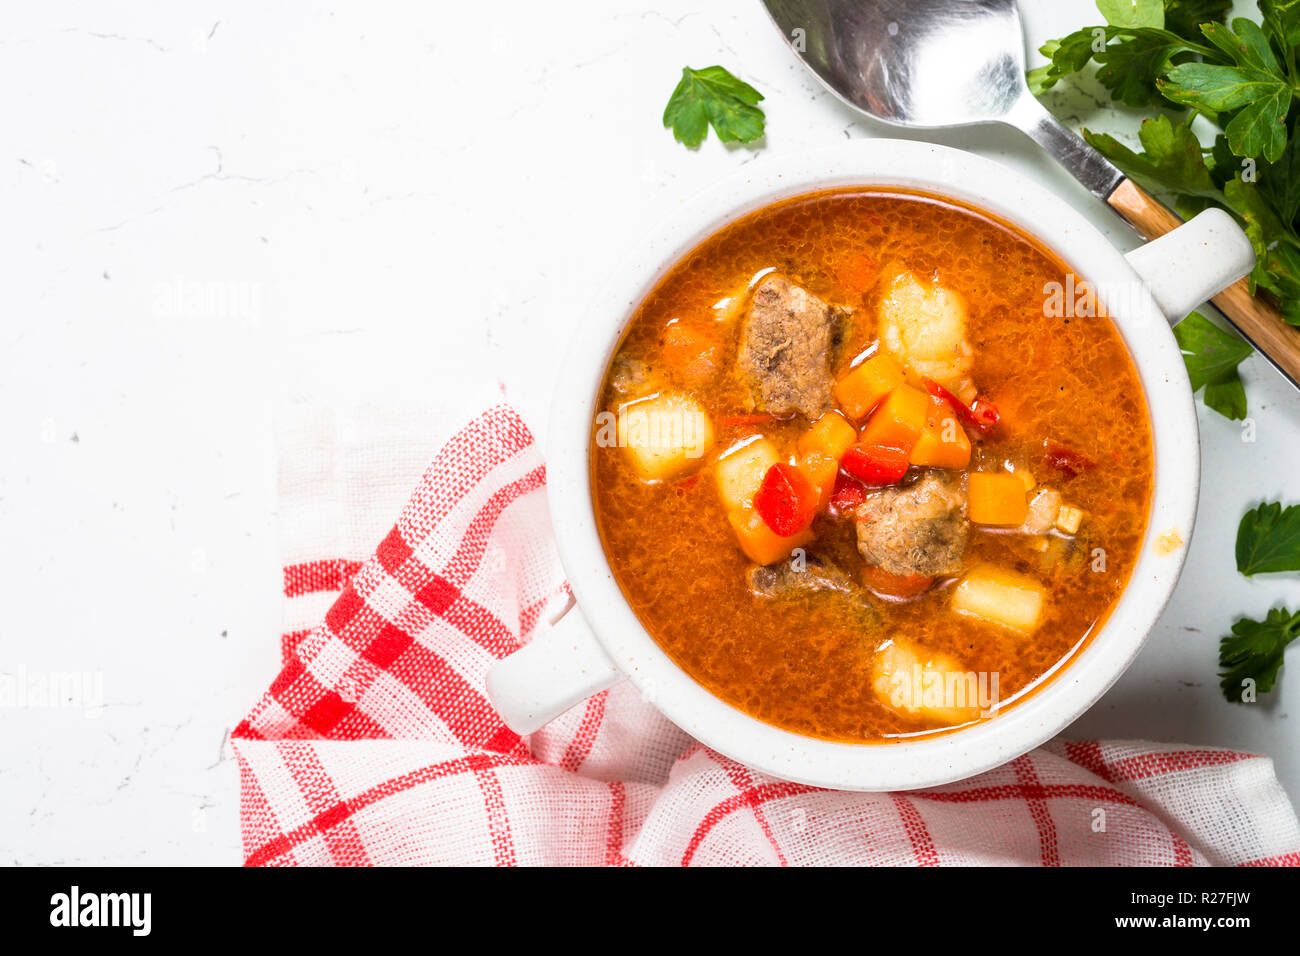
(861, 475)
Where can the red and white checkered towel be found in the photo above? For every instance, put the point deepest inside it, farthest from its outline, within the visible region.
(376, 744)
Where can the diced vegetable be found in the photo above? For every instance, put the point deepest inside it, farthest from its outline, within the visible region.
(830, 434)
(760, 543)
(820, 469)
(786, 500)
(934, 686)
(891, 585)
(664, 434)
(875, 465)
(932, 451)
(1000, 597)
(1066, 460)
(741, 470)
(1043, 508)
(688, 350)
(848, 493)
(924, 326)
(943, 443)
(899, 420)
(864, 385)
(996, 498)
(1068, 519)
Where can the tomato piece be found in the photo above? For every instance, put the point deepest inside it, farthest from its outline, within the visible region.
(887, 584)
(981, 414)
(875, 464)
(786, 500)
(1066, 460)
(848, 493)
(985, 414)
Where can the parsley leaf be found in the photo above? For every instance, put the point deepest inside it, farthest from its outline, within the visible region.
(1130, 70)
(1243, 77)
(1185, 17)
(1130, 58)
(1277, 247)
(1212, 356)
(1254, 652)
(1280, 182)
(1255, 86)
(1268, 539)
(713, 97)
(1133, 13)
(1171, 158)
(1282, 18)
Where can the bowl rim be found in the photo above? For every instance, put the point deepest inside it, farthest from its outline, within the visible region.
(931, 761)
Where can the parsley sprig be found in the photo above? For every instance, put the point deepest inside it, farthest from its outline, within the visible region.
(1268, 539)
(1180, 57)
(1254, 652)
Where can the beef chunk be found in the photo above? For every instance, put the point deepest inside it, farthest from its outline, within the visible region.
(786, 340)
(783, 580)
(631, 377)
(920, 529)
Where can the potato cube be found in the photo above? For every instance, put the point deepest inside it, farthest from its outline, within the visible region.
(664, 434)
(934, 686)
(1068, 519)
(1001, 597)
(741, 469)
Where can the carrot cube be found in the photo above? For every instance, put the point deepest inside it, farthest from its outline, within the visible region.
(943, 443)
(899, 420)
(830, 435)
(866, 384)
(996, 498)
(820, 469)
(760, 543)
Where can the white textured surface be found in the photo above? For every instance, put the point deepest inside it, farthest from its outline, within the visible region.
(211, 208)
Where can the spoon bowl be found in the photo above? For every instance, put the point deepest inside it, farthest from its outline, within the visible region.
(933, 63)
(928, 64)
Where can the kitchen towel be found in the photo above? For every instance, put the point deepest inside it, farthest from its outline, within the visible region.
(376, 745)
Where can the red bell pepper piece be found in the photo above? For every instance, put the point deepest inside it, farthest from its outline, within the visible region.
(786, 500)
(1066, 460)
(980, 415)
(848, 493)
(875, 464)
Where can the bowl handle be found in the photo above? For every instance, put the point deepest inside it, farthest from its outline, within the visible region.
(1197, 260)
(556, 670)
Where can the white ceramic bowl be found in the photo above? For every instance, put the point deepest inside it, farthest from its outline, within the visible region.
(601, 641)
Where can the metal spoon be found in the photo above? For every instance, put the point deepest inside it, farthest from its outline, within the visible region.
(937, 63)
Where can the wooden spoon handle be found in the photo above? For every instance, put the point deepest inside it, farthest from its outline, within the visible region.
(1255, 317)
